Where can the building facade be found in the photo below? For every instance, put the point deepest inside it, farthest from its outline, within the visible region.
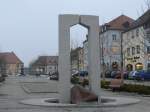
(136, 44)
(77, 59)
(85, 55)
(10, 64)
(45, 65)
(110, 42)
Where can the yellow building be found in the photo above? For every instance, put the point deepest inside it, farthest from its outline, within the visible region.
(136, 44)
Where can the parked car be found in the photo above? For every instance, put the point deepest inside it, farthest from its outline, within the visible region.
(108, 74)
(142, 75)
(74, 72)
(80, 73)
(126, 74)
(115, 74)
(83, 73)
(132, 75)
(54, 76)
(2, 78)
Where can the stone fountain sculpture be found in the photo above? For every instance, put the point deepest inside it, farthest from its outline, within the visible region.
(92, 24)
(77, 94)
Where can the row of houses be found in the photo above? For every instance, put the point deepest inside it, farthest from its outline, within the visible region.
(10, 64)
(122, 40)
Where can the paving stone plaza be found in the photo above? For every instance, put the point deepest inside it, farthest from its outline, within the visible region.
(13, 91)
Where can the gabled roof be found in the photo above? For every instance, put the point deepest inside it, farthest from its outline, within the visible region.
(46, 60)
(10, 58)
(120, 23)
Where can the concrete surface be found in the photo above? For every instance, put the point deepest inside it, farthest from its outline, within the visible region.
(11, 93)
(115, 102)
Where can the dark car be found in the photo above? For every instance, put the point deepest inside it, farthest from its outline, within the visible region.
(126, 74)
(115, 74)
(54, 76)
(142, 75)
(83, 73)
(108, 74)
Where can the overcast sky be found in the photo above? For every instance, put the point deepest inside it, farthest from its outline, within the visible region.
(30, 27)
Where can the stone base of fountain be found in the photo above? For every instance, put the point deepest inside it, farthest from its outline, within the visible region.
(105, 102)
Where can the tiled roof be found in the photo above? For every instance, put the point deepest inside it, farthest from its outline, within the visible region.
(120, 23)
(10, 58)
(46, 60)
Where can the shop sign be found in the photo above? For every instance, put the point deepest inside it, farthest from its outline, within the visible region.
(133, 59)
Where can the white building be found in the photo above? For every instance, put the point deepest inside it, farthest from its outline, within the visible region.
(85, 54)
(136, 44)
(77, 59)
(110, 41)
(45, 65)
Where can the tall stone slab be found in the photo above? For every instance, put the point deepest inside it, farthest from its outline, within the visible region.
(65, 22)
(92, 24)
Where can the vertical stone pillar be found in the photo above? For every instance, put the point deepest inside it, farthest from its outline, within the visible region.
(92, 23)
(65, 22)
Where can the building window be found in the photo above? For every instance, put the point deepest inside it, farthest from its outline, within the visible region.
(148, 66)
(139, 66)
(129, 67)
(148, 35)
(133, 51)
(137, 32)
(132, 35)
(128, 51)
(138, 49)
(114, 36)
(148, 49)
(148, 39)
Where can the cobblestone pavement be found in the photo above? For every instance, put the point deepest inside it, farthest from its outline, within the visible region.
(11, 93)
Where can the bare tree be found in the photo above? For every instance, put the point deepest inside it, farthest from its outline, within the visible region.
(147, 3)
